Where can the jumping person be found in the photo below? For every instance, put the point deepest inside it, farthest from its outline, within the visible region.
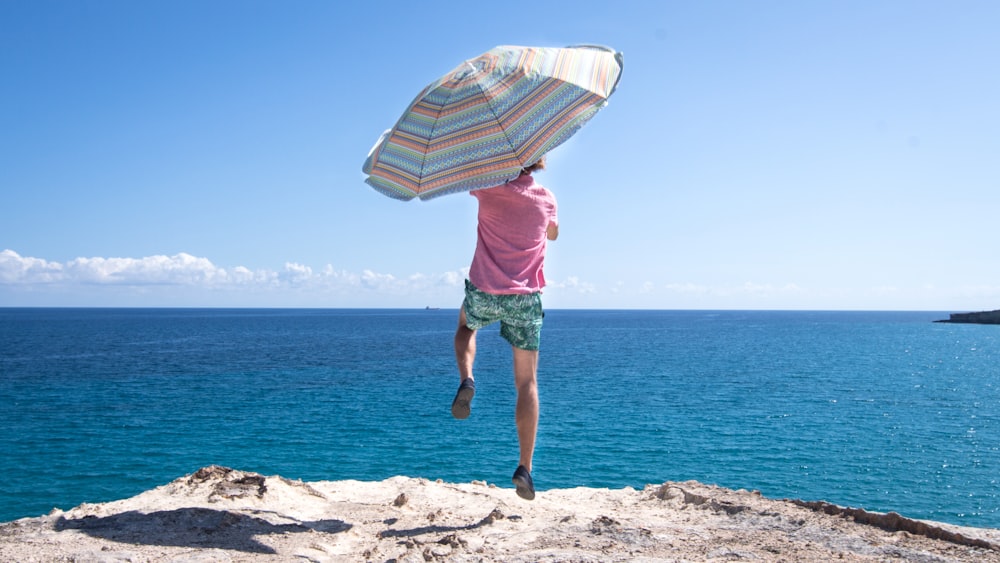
(505, 283)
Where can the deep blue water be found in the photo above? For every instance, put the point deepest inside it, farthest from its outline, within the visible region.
(880, 410)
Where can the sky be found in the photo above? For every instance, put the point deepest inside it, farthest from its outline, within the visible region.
(758, 154)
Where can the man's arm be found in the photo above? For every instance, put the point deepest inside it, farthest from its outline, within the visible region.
(552, 231)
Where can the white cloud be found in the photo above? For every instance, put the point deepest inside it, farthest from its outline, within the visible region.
(453, 279)
(184, 279)
(179, 269)
(573, 283)
(297, 273)
(17, 269)
(373, 280)
(243, 276)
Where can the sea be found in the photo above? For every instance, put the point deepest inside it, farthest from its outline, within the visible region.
(886, 411)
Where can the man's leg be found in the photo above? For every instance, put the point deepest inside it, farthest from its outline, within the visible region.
(465, 356)
(526, 414)
(465, 347)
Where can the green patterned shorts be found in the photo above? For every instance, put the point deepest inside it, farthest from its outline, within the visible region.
(520, 315)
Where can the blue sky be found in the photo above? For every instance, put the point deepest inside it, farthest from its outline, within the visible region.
(757, 154)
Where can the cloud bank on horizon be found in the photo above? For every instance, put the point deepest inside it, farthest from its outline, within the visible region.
(184, 280)
(113, 280)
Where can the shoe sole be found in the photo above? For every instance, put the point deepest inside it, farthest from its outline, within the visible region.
(461, 407)
(524, 490)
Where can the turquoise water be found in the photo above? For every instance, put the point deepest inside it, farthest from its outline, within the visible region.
(880, 410)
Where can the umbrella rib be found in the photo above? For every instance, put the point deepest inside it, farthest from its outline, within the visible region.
(499, 122)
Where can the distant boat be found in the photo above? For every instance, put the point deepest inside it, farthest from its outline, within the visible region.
(429, 308)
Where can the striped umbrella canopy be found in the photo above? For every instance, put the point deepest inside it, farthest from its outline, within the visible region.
(479, 125)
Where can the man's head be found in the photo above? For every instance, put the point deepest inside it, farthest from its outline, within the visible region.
(540, 165)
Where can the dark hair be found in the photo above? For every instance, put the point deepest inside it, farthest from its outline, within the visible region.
(540, 165)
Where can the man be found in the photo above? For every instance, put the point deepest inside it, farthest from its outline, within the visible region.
(505, 284)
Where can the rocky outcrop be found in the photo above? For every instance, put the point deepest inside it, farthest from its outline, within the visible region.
(226, 515)
(982, 317)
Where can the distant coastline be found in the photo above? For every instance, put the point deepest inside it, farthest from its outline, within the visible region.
(981, 317)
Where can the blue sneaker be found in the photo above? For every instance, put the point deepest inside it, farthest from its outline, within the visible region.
(525, 487)
(461, 407)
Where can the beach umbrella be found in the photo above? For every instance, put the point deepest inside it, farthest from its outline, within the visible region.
(479, 125)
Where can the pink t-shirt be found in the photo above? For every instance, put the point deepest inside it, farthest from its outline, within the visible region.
(510, 246)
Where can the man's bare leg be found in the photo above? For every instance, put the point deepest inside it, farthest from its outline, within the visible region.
(526, 414)
(465, 357)
(465, 347)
